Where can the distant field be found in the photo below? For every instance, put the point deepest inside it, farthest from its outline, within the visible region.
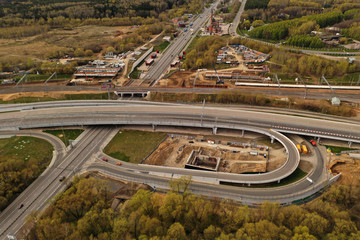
(133, 146)
(44, 77)
(39, 46)
(66, 134)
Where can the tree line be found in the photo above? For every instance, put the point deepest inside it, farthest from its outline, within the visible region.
(83, 212)
(281, 30)
(240, 97)
(305, 41)
(234, 10)
(93, 8)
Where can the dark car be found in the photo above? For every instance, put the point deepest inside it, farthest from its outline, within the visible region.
(21, 206)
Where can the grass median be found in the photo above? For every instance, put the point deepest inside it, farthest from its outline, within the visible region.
(132, 145)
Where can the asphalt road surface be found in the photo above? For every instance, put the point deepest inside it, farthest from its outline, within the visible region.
(35, 197)
(236, 21)
(163, 63)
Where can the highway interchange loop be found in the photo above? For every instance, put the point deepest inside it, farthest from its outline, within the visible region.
(102, 116)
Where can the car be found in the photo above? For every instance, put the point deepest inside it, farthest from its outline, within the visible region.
(62, 178)
(312, 142)
(119, 163)
(191, 141)
(21, 206)
(105, 159)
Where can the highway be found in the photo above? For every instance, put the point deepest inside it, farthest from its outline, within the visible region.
(178, 44)
(236, 21)
(35, 197)
(111, 113)
(64, 114)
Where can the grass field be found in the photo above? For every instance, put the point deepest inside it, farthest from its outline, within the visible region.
(44, 77)
(66, 134)
(133, 146)
(26, 149)
(336, 149)
(161, 47)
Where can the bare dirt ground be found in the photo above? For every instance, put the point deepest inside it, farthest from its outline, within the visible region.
(175, 151)
(349, 171)
(11, 96)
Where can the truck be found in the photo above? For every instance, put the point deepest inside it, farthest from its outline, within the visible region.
(149, 62)
(304, 149)
(299, 148)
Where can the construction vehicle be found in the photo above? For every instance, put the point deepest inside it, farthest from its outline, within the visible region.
(299, 148)
(219, 81)
(304, 149)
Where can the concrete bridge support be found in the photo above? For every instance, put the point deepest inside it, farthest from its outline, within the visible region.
(214, 130)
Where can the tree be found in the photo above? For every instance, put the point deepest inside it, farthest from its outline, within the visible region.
(302, 233)
(180, 185)
(79, 52)
(89, 53)
(258, 23)
(176, 231)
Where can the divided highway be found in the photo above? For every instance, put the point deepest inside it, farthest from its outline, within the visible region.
(176, 47)
(46, 186)
(100, 113)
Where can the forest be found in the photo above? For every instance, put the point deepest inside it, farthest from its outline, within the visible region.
(83, 9)
(203, 52)
(22, 160)
(83, 212)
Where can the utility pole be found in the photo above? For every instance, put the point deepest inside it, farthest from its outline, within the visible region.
(304, 86)
(276, 77)
(50, 78)
(323, 78)
(202, 113)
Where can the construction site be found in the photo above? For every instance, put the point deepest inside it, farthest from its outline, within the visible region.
(234, 63)
(216, 153)
(98, 71)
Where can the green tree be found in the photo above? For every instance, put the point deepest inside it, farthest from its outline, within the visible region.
(176, 231)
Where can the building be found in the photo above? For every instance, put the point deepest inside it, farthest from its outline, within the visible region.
(214, 26)
(167, 38)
